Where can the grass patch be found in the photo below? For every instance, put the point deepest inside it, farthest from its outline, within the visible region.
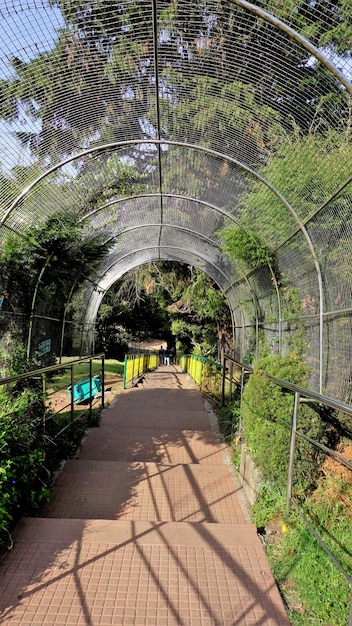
(315, 590)
(62, 379)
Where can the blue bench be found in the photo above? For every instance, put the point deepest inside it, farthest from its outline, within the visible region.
(82, 389)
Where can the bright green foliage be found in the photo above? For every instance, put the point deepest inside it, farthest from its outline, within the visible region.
(303, 170)
(202, 312)
(308, 579)
(245, 246)
(23, 477)
(47, 261)
(323, 23)
(269, 504)
(229, 416)
(169, 301)
(33, 442)
(266, 419)
(213, 108)
(58, 246)
(204, 298)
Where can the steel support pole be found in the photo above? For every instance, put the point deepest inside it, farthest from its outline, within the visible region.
(103, 381)
(72, 397)
(90, 389)
(292, 452)
(223, 383)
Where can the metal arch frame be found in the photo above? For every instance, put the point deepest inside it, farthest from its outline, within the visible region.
(203, 203)
(189, 230)
(136, 251)
(216, 209)
(248, 6)
(227, 280)
(210, 152)
(293, 34)
(268, 17)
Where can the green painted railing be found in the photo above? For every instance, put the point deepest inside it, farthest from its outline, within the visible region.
(136, 365)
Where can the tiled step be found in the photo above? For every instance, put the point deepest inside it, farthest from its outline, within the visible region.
(145, 527)
(145, 491)
(121, 443)
(167, 377)
(146, 417)
(110, 573)
(137, 400)
(40, 529)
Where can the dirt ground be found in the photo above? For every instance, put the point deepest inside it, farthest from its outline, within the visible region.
(61, 400)
(335, 468)
(153, 344)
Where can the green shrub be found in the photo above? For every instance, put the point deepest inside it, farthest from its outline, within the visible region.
(266, 418)
(243, 245)
(23, 477)
(228, 419)
(269, 504)
(32, 444)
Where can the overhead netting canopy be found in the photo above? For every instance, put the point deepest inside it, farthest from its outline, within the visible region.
(163, 126)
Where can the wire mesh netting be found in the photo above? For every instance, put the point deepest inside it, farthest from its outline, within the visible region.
(158, 125)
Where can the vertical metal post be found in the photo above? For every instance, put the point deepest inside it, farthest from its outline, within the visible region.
(81, 341)
(44, 394)
(231, 381)
(223, 383)
(44, 383)
(292, 452)
(124, 372)
(64, 322)
(31, 318)
(201, 373)
(90, 389)
(72, 398)
(242, 386)
(103, 381)
(133, 363)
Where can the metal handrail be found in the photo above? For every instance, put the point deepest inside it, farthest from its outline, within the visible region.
(301, 394)
(64, 366)
(303, 391)
(50, 368)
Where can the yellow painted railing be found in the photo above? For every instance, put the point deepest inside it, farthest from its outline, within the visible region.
(136, 365)
(205, 372)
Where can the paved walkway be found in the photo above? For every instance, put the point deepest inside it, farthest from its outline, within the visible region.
(145, 527)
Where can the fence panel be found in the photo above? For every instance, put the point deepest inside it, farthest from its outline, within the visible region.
(136, 365)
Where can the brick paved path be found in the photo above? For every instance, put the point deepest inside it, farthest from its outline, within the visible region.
(145, 527)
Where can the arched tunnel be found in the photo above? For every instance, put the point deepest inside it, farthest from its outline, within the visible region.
(161, 125)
